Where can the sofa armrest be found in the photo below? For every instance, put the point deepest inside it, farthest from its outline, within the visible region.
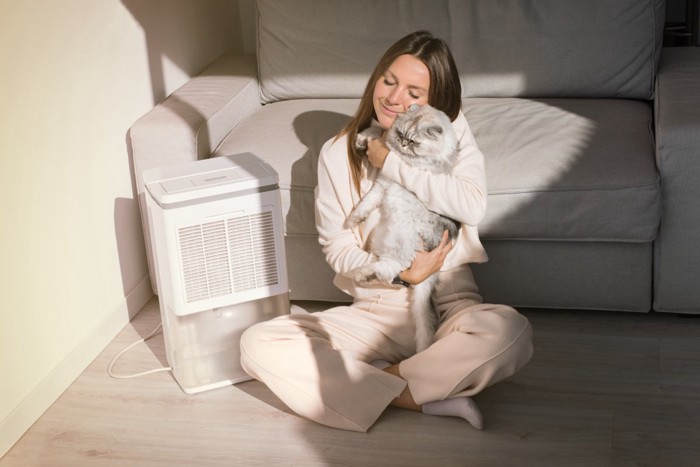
(676, 251)
(195, 118)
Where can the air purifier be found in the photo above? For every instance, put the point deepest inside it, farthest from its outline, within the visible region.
(218, 248)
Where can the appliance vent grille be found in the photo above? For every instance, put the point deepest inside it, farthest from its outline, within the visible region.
(228, 256)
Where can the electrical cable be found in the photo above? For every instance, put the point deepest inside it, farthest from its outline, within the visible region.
(129, 347)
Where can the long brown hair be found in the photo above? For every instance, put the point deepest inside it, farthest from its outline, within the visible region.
(445, 91)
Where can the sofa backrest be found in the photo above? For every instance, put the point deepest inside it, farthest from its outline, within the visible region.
(503, 48)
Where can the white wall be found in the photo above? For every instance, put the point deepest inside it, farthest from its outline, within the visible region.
(74, 75)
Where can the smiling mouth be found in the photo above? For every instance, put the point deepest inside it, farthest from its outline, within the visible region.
(388, 111)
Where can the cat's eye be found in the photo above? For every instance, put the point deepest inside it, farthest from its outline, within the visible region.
(409, 143)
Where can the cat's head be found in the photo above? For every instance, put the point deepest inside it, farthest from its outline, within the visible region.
(424, 137)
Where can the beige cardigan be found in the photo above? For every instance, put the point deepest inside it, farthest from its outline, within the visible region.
(460, 195)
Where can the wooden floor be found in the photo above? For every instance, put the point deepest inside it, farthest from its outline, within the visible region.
(604, 389)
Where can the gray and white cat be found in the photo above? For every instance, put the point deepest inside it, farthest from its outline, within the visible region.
(424, 138)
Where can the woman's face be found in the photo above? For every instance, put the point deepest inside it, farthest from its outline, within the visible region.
(405, 82)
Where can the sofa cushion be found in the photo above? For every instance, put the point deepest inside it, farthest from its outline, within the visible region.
(563, 48)
(569, 169)
(557, 169)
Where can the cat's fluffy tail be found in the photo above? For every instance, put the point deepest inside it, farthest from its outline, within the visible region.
(424, 314)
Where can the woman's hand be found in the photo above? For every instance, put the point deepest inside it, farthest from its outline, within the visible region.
(427, 263)
(377, 152)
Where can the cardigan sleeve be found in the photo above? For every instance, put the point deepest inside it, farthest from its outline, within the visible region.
(341, 245)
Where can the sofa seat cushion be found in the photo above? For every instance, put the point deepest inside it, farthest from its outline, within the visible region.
(557, 169)
(567, 169)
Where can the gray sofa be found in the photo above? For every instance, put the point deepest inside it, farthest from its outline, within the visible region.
(590, 132)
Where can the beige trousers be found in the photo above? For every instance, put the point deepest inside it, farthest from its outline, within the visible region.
(318, 363)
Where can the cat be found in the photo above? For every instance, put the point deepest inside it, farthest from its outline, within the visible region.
(424, 138)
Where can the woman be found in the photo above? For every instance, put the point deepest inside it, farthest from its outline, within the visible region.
(344, 366)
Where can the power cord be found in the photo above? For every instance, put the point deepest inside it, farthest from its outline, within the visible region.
(143, 373)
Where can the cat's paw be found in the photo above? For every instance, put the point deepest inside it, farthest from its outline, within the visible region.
(377, 273)
(355, 218)
(361, 139)
(365, 276)
(361, 142)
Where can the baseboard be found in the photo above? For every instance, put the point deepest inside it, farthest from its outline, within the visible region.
(62, 376)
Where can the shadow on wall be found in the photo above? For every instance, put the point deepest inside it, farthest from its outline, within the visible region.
(182, 37)
(128, 237)
(169, 28)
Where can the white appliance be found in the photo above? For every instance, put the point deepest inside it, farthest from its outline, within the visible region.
(218, 247)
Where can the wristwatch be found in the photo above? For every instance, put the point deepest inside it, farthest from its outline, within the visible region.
(398, 281)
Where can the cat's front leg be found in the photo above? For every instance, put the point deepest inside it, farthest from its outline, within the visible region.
(372, 132)
(371, 201)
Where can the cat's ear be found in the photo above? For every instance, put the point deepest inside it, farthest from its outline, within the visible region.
(434, 131)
